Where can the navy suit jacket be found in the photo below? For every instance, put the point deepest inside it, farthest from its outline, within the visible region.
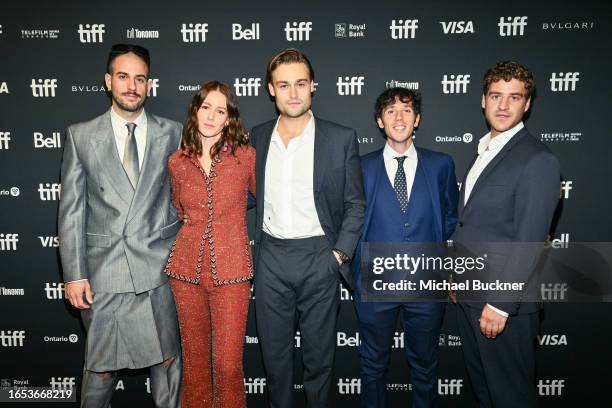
(439, 170)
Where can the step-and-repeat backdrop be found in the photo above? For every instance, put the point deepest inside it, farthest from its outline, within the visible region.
(51, 74)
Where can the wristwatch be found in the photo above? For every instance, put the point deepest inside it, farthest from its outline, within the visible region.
(343, 257)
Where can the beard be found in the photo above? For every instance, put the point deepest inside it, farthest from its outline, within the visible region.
(129, 106)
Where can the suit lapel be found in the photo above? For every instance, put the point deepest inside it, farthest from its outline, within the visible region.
(375, 178)
(261, 158)
(321, 150)
(462, 190)
(424, 162)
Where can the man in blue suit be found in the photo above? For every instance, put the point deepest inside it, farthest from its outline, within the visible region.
(411, 196)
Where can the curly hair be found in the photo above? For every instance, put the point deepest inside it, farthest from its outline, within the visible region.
(233, 135)
(389, 96)
(508, 70)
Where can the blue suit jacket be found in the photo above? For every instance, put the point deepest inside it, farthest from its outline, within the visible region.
(439, 170)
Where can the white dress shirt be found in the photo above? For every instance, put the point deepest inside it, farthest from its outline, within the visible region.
(289, 206)
(410, 165)
(121, 132)
(488, 148)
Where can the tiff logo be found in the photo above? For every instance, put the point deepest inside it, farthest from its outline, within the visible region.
(398, 340)
(49, 242)
(62, 383)
(349, 386)
(8, 242)
(564, 82)
(154, 85)
(54, 290)
(43, 88)
(455, 83)
(512, 26)
(298, 31)
(553, 291)
(450, 386)
(12, 338)
(53, 142)
(247, 87)
(403, 29)
(91, 33)
(5, 138)
(457, 27)
(194, 32)
(238, 33)
(350, 85)
(254, 385)
(49, 191)
(551, 387)
(566, 186)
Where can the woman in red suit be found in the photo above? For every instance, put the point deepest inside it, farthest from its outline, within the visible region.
(211, 259)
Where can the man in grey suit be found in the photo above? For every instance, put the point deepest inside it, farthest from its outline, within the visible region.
(509, 195)
(116, 227)
(310, 209)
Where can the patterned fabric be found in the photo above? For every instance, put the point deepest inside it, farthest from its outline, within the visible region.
(399, 184)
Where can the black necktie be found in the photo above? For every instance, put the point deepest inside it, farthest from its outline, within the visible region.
(399, 184)
(130, 156)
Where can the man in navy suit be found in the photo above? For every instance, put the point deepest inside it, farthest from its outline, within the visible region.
(509, 195)
(411, 196)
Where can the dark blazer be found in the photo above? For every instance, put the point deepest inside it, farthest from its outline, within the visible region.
(513, 200)
(337, 184)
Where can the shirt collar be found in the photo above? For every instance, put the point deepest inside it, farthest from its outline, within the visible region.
(498, 141)
(308, 131)
(119, 123)
(389, 154)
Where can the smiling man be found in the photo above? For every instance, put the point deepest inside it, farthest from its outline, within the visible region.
(116, 226)
(411, 196)
(509, 194)
(308, 220)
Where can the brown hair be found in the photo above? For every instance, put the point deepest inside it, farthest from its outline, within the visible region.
(233, 135)
(508, 70)
(288, 56)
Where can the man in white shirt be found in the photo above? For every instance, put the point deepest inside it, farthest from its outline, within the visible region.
(509, 194)
(309, 216)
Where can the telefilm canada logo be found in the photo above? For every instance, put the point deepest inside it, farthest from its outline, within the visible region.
(560, 136)
(40, 33)
(349, 30)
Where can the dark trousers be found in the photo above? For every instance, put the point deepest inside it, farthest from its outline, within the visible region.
(501, 370)
(296, 286)
(421, 322)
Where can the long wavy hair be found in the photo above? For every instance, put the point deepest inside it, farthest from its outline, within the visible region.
(233, 135)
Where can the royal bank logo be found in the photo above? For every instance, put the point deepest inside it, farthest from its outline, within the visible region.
(566, 187)
(345, 340)
(298, 30)
(449, 340)
(550, 387)
(552, 340)
(561, 137)
(394, 83)
(91, 33)
(135, 33)
(403, 29)
(344, 30)
(154, 85)
(249, 34)
(457, 27)
(43, 88)
(254, 385)
(247, 86)
(568, 26)
(453, 84)
(5, 139)
(350, 85)
(88, 88)
(449, 386)
(58, 383)
(8, 242)
(54, 290)
(194, 32)
(49, 191)
(51, 142)
(465, 138)
(11, 291)
(564, 81)
(12, 338)
(4, 88)
(512, 26)
(349, 386)
(40, 34)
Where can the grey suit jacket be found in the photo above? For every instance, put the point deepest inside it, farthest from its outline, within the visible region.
(117, 237)
(513, 200)
(337, 184)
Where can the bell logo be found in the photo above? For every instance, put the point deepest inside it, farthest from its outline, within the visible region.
(247, 87)
(43, 88)
(8, 242)
(349, 386)
(350, 85)
(254, 385)
(4, 88)
(5, 138)
(552, 340)
(154, 85)
(512, 26)
(564, 82)
(49, 191)
(403, 29)
(194, 32)
(455, 83)
(344, 340)
(553, 291)
(298, 31)
(54, 291)
(58, 383)
(449, 386)
(91, 33)
(551, 387)
(457, 27)
(12, 338)
(238, 33)
(566, 187)
(53, 142)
